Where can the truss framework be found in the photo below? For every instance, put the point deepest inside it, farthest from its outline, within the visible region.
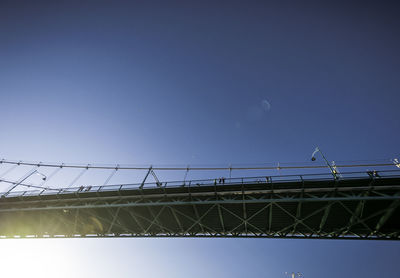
(365, 208)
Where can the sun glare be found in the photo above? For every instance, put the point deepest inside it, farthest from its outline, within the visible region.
(37, 258)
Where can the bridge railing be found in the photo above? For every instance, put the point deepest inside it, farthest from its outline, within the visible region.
(212, 182)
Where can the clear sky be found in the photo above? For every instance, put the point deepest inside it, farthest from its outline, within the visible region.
(189, 82)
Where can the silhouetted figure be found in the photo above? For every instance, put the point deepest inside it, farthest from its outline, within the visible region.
(373, 174)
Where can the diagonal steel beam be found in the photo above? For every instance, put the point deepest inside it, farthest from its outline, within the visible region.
(389, 212)
(133, 216)
(357, 213)
(298, 211)
(101, 218)
(355, 218)
(151, 222)
(294, 217)
(198, 221)
(340, 231)
(360, 206)
(193, 220)
(303, 219)
(113, 220)
(176, 218)
(325, 216)
(155, 219)
(259, 211)
(244, 221)
(221, 218)
(196, 213)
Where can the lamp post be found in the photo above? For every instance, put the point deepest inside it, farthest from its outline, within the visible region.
(331, 168)
(293, 274)
(23, 179)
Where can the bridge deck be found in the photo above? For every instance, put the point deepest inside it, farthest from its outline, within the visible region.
(348, 208)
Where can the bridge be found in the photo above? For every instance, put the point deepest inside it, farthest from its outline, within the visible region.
(309, 201)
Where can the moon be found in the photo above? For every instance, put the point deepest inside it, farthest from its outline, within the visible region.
(266, 105)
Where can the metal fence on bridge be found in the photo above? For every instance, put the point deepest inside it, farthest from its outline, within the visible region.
(352, 205)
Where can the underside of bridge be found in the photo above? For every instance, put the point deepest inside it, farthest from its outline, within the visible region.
(335, 209)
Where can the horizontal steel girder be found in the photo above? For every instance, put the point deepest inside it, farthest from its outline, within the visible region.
(355, 209)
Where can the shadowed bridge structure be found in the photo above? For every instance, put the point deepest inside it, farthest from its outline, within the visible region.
(350, 205)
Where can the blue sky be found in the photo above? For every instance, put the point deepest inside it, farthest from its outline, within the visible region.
(145, 82)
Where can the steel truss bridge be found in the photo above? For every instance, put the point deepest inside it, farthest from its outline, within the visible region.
(350, 205)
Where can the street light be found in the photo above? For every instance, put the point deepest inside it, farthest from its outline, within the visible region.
(293, 274)
(40, 174)
(333, 169)
(33, 172)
